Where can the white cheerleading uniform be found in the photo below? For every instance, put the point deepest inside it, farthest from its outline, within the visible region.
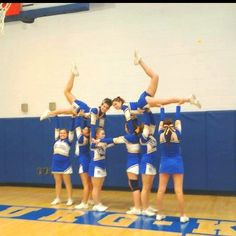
(61, 150)
(97, 119)
(97, 165)
(133, 148)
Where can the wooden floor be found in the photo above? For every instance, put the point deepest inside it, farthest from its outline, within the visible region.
(215, 215)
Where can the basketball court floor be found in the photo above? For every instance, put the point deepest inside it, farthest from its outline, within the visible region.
(27, 211)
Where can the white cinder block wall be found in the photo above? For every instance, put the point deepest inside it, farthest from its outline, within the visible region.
(190, 45)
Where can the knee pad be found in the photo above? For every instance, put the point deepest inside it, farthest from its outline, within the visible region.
(133, 183)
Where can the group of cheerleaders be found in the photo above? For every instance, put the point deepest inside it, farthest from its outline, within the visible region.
(91, 143)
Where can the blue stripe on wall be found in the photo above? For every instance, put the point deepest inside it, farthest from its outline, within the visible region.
(208, 148)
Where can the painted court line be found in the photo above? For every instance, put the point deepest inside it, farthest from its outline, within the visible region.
(195, 226)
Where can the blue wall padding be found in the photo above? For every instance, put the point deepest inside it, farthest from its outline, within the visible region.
(220, 151)
(2, 151)
(208, 149)
(194, 150)
(14, 158)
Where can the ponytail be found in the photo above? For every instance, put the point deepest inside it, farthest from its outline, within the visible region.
(168, 129)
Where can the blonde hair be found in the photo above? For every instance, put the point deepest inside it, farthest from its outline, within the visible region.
(98, 130)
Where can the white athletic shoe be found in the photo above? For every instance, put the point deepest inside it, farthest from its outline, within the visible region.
(184, 219)
(194, 101)
(82, 205)
(99, 207)
(152, 209)
(69, 202)
(137, 57)
(160, 217)
(147, 212)
(74, 70)
(134, 211)
(56, 201)
(45, 115)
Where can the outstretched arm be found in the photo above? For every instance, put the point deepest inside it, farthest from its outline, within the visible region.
(148, 118)
(71, 131)
(107, 140)
(57, 130)
(147, 123)
(94, 112)
(162, 117)
(104, 142)
(78, 129)
(177, 119)
(116, 140)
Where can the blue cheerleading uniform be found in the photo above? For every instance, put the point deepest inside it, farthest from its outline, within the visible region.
(133, 157)
(171, 158)
(148, 119)
(130, 111)
(82, 146)
(97, 165)
(60, 160)
(97, 118)
(79, 105)
(133, 148)
(142, 103)
(149, 154)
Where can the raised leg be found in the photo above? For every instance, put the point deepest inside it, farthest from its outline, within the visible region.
(69, 96)
(154, 78)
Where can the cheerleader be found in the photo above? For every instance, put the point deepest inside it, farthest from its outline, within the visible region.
(97, 115)
(82, 153)
(61, 165)
(171, 163)
(132, 166)
(97, 169)
(147, 99)
(130, 110)
(147, 167)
